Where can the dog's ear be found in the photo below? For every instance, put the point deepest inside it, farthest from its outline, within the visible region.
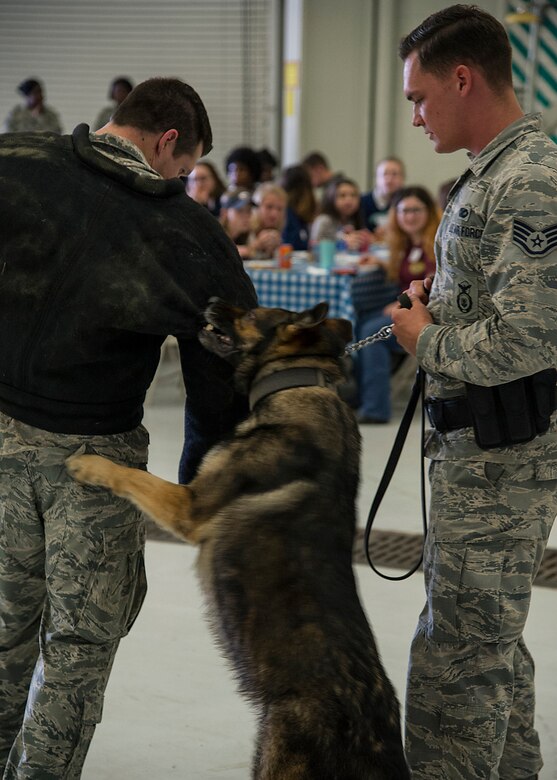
(316, 315)
(342, 328)
(309, 318)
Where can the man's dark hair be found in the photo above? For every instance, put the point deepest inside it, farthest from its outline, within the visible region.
(162, 104)
(462, 34)
(314, 159)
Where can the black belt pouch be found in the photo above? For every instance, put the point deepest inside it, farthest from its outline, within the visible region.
(512, 413)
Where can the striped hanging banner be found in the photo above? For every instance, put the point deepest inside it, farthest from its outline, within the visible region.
(545, 93)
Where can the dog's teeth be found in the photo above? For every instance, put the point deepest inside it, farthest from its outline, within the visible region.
(209, 326)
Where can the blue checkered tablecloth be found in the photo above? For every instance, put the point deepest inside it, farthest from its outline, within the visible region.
(297, 291)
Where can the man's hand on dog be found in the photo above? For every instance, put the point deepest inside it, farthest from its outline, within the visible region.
(409, 323)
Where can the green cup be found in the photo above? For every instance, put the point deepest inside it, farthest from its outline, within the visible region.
(326, 254)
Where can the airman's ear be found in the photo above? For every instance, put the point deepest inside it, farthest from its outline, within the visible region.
(168, 137)
(464, 77)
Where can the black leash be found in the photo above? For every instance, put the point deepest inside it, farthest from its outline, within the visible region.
(402, 433)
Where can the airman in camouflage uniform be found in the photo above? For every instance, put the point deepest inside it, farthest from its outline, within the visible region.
(102, 256)
(21, 120)
(491, 319)
(80, 552)
(34, 116)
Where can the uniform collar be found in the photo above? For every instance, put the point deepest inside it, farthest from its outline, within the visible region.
(529, 123)
(123, 151)
(92, 158)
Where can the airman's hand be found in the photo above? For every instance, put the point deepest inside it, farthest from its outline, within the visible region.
(421, 288)
(409, 323)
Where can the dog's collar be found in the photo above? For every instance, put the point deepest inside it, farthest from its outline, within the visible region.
(288, 378)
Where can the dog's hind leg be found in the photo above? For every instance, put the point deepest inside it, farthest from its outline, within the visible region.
(282, 752)
(167, 504)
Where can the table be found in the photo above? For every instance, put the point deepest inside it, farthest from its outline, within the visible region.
(299, 290)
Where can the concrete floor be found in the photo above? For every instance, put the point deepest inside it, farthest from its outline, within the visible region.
(171, 708)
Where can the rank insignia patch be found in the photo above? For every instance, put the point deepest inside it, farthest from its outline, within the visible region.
(534, 242)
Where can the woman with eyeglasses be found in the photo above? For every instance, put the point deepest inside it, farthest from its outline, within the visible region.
(413, 220)
(205, 186)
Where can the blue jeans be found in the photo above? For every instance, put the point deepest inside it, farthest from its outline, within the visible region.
(373, 368)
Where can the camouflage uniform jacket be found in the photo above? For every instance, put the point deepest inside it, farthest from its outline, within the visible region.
(493, 300)
(21, 120)
(97, 266)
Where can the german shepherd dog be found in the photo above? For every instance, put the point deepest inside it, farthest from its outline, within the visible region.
(273, 512)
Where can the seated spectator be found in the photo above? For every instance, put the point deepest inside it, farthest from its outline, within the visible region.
(317, 165)
(341, 218)
(389, 177)
(410, 234)
(301, 208)
(268, 219)
(205, 186)
(269, 163)
(243, 168)
(235, 217)
(119, 90)
(34, 116)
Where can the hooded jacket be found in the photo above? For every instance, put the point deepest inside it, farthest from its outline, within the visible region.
(97, 266)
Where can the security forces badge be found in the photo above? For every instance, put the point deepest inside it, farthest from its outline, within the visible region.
(533, 241)
(464, 300)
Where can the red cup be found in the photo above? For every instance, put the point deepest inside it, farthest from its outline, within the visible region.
(285, 256)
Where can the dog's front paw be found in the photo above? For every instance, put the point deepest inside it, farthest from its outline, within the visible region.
(91, 469)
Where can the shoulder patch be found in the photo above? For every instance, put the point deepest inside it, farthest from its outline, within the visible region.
(533, 241)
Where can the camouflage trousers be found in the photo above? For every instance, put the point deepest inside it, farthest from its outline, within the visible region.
(72, 582)
(470, 696)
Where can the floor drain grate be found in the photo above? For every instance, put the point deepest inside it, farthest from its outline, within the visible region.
(401, 551)
(393, 550)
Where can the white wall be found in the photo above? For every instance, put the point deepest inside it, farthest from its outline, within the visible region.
(352, 105)
(223, 48)
(335, 84)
